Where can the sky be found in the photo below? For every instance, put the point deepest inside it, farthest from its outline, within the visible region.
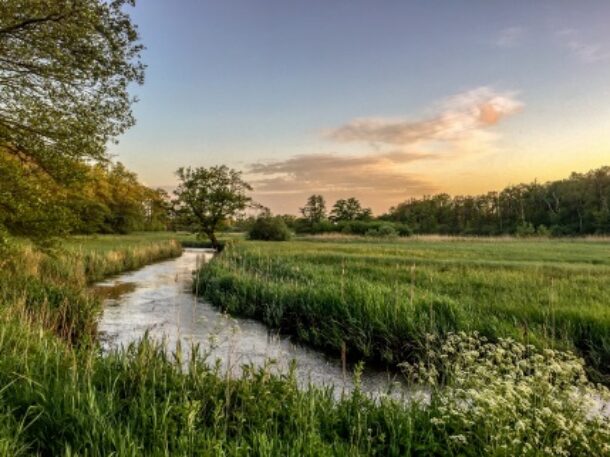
(382, 100)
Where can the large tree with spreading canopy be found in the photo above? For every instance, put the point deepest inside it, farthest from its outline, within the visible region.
(65, 68)
(208, 197)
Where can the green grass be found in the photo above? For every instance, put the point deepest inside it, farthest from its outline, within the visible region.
(52, 286)
(382, 298)
(60, 396)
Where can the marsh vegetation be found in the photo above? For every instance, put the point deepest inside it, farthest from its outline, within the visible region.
(381, 299)
(61, 396)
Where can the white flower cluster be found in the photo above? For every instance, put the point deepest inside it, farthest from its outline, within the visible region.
(512, 398)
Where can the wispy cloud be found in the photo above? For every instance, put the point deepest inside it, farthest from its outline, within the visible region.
(461, 116)
(510, 37)
(372, 178)
(334, 172)
(587, 51)
(385, 175)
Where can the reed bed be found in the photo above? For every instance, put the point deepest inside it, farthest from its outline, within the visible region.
(52, 285)
(61, 401)
(59, 397)
(380, 299)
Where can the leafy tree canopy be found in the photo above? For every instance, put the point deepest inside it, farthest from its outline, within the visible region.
(64, 71)
(269, 228)
(349, 210)
(65, 67)
(314, 210)
(207, 197)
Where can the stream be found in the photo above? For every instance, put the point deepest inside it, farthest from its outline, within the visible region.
(158, 299)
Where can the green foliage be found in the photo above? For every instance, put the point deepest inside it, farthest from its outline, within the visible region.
(48, 287)
(357, 227)
(349, 210)
(525, 229)
(207, 197)
(63, 399)
(141, 401)
(65, 70)
(380, 298)
(31, 203)
(314, 211)
(64, 76)
(509, 398)
(574, 206)
(384, 231)
(268, 228)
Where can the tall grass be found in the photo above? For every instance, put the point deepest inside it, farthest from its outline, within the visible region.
(382, 298)
(51, 285)
(63, 399)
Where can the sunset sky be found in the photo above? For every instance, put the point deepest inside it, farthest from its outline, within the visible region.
(382, 100)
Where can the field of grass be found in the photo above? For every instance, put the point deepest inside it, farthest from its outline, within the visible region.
(50, 286)
(61, 396)
(382, 298)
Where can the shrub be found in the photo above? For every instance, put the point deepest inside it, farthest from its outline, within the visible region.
(524, 230)
(383, 230)
(268, 228)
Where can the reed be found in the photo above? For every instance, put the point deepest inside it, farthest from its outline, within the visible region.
(382, 298)
(51, 286)
(59, 397)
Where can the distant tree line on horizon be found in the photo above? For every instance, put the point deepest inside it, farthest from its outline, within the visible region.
(577, 205)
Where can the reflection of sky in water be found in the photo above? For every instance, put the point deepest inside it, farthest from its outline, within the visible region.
(158, 299)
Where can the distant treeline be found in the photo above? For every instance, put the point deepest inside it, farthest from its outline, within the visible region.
(578, 205)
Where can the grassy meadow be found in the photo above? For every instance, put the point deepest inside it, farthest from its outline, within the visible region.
(61, 396)
(381, 298)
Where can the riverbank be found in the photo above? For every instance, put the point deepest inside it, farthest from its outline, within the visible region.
(60, 396)
(49, 287)
(381, 299)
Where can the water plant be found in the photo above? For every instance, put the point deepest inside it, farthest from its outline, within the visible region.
(382, 298)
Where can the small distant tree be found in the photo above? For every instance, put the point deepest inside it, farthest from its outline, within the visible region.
(314, 210)
(289, 220)
(349, 210)
(207, 197)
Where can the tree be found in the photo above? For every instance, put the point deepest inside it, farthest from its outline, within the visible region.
(65, 68)
(315, 209)
(577, 205)
(349, 210)
(207, 197)
(110, 199)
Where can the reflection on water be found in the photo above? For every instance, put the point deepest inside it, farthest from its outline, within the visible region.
(112, 290)
(158, 299)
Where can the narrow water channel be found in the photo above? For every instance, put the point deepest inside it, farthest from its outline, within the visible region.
(157, 299)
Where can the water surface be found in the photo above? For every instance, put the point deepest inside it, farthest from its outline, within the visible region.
(158, 299)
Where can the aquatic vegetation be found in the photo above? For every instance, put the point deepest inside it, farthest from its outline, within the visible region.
(50, 287)
(144, 401)
(58, 398)
(381, 299)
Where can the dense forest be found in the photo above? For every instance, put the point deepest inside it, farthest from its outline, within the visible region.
(94, 198)
(578, 205)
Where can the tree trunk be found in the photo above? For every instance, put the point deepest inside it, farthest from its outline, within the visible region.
(214, 240)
